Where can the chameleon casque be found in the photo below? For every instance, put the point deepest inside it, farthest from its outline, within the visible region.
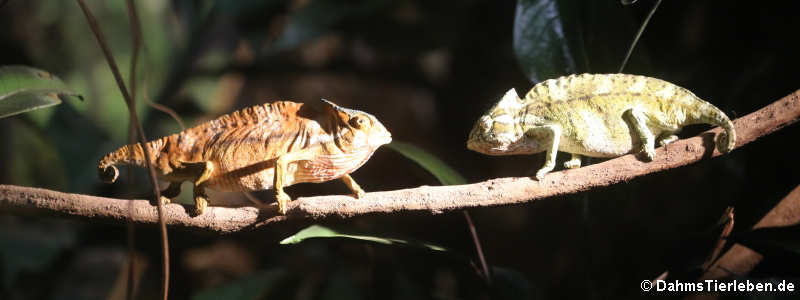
(595, 115)
(267, 146)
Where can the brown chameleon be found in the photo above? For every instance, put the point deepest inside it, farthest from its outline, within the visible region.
(595, 115)
(267, 146)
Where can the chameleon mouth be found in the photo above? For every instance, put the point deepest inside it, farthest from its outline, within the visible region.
(380, 140)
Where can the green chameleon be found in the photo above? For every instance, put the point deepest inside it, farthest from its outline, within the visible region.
(595, 115)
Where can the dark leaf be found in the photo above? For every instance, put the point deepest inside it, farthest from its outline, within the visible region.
(317, 231)
(553, 38)
(540, 41)
(24, 89)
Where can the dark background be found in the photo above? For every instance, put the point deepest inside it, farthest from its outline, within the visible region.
(427, 70)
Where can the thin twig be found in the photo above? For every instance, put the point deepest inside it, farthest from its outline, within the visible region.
(142, 139)
(162, 108)
(136, 40)
(638, 35)
(486, 272)
(432, 199)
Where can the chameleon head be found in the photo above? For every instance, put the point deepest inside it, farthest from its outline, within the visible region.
(359, 128)
(498, 131)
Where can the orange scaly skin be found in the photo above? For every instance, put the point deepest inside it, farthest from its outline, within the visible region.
(244, 150)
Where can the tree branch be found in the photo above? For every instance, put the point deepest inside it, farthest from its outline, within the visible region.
(740, 260)
(433, 199)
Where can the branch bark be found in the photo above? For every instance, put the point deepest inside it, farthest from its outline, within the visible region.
(433, 199)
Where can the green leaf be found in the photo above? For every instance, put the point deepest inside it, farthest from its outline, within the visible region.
(771, 240)
(254, 286)
(317, 231)
(444, 173)
(24, 89)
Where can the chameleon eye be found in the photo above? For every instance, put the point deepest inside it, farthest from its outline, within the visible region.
(358, 122)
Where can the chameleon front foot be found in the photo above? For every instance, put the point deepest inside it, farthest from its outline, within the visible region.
(648, 153)
(283, 201)
(540, 174)
(358, 193)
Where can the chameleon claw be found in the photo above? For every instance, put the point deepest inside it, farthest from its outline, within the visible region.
(165, 200)
(573, 163)
(540, 174)
(359, 194)
(283, 201)
(649, 154)
(667, 140)
(200, 204)
(200, 199)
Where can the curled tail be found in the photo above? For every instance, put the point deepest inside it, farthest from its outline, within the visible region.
(712, 115)
(128, 155)
(726, 140)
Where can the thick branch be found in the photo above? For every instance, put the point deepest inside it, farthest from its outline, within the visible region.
(740, 260)
(434, 199)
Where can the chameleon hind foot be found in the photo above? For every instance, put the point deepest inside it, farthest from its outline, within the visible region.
(200, 200)
(200, 204)
(172, 191)
(637, 119)
(667, 140)
(574, 162)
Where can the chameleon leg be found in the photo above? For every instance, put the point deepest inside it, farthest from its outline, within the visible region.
(638, 121)
(351, 183)
(574, 162)
(280, 171)
(200, 197)
(545, 133)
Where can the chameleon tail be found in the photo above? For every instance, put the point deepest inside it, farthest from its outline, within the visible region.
(727, 139)
(129, 155)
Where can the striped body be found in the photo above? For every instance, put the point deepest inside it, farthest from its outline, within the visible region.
(242, 147)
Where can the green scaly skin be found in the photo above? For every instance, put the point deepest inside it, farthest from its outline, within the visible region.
(595, 115)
